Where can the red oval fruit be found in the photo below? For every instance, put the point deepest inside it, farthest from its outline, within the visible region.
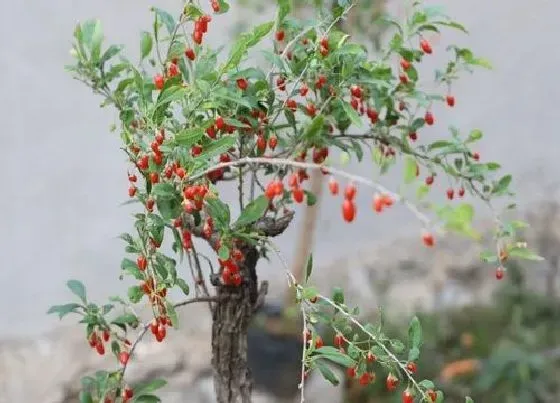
(350, 191)
(428, 239)
(338, 340)
(407, 396)
(450, 99)
(142, 262)
(333, 186)
(291, 105)
(371, 357)
(106, 335)
(215, 6)
(391, 382)
(426, 47)
(476, 156)
(242, 84)
(196, 150)
(220, 123)
(197, 37)
(348, 210)
(429, 118)
(280, 35)
(154, 177)
(411, 367)
(143, 162)
(405, 64)
(303, 90)
(432, 395)
(356, 91)
(413, 136)
(132, 191)
(132, 178)
(100, 347)
(319, 342)
(261, 144)
(150, 204)
(159, 81)
(123, 357)
(351, 372)
(461, 192)
(365, 379)
(403, 78)
(450, 193)
(378, 203)
(310, 109)
(429, 180)
(298, 195)
(272, 142)
(500, 273)
(127, 393)
(189, 53)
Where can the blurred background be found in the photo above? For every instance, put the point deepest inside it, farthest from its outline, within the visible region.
(64, 178)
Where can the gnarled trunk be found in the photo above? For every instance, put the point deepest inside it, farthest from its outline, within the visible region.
(231, 318)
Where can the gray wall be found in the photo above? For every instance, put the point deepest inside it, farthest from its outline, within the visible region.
(63, 176)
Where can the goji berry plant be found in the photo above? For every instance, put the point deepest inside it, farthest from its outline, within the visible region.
(191, 118)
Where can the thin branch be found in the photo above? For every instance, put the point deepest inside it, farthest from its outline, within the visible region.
(195, 300)
(307, 165)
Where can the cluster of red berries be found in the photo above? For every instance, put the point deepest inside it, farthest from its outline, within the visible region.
(200, 28)
(158, 327)
(230, 272)
(96, 340)
(193, 197)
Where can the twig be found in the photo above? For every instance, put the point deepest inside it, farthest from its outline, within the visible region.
(307, 165)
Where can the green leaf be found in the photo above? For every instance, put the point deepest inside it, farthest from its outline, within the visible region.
(183, 286)
(108, 54)
(224, 7)
(474, 135)
(488, 257)
(310, 198)
(439, 144)
(334, 355)
(243, 44)
(169, 95)
(284, 8)
(192, 12)
(415, 333)
(223, 252)
(309, 292)
(410, 169)
(217, 147)
(452, 24)
(189, 137)
(397, 346)
(146, 44)
(524, 253)
(315, 127)
(166, 18)
(63, 310)
(413, 354)
(327, 373)
(172, 314)
(219, 211)
(85, 397)
(352, 114)
(502, 186)
(132, 268)
(164, 190)
(77, 289)
(338, 296)
(309, 267)
(252, 212)
(147, 399)
(96, 40)
(427, 384)
(422, 191)
(135, 294)
(468, 399)
(148, 387)
(126, 319)
(232, 97)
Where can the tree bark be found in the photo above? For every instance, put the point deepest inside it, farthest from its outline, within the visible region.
(231, 318)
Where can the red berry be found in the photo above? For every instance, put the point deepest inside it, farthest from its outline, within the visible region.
(461, 192)
(123, 357)
(173, 70)
(298, 195)
(142, 262)
(354, 103)
(100, 347)
(319, 342)
(197, 37)
(278, 188)
(180, 172)
(350, 191)
(429, 118)
(405, 64)
(196, 150)
(310, 109)
(407, 397)
(450, 99)
(215, 6)
(157, 158)
(143, 162)
(261, 144)
(158, 81)
(500, 273)
(428, 239)
(161, 332)
(325, 43)
(280, 35)
(127, 393)
(189, 53)
(450, 194)
(272, 142)
(411, 367)
(365, 379)
(476, 156)
(242, 84)
(432, 395)
(356, 91)
(132, 191)
(220, 123)
(391, 382)
(333, 186)
(150, 204)
(281, 83)
(351, 372)
(429, 180)
(303, 90)
(371, 357)
(291, 104)
(403, 78)
(132, 178)
(154, 177)
(106, 335)
(338, 340)
(426, 47)
(155, 147)
(348, 210)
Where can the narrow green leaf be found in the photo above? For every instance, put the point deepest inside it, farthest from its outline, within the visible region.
(63, 310)
(217, 147)
(135, 294)
(524, 253)
(253, 211)
(468, 399)
(189, 137)
(164, 190)
(146, 44)
(172, 314)
(327, 373)
(338, 296)
(150, 386)
(334, 355)
(410, 169)
(77, 289)
(488, 257)
(502, 185)
(352, 114)
(166, 18)
(310, 198)
(85, 397)
(96, 40)
(147, 399)
(192, 12)
(474, 135)
(415, 333)
(223, 252)
(315, 127)
(309, 267)
(183, 286)
(131, 267)
(126, 319)
(219, 211)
